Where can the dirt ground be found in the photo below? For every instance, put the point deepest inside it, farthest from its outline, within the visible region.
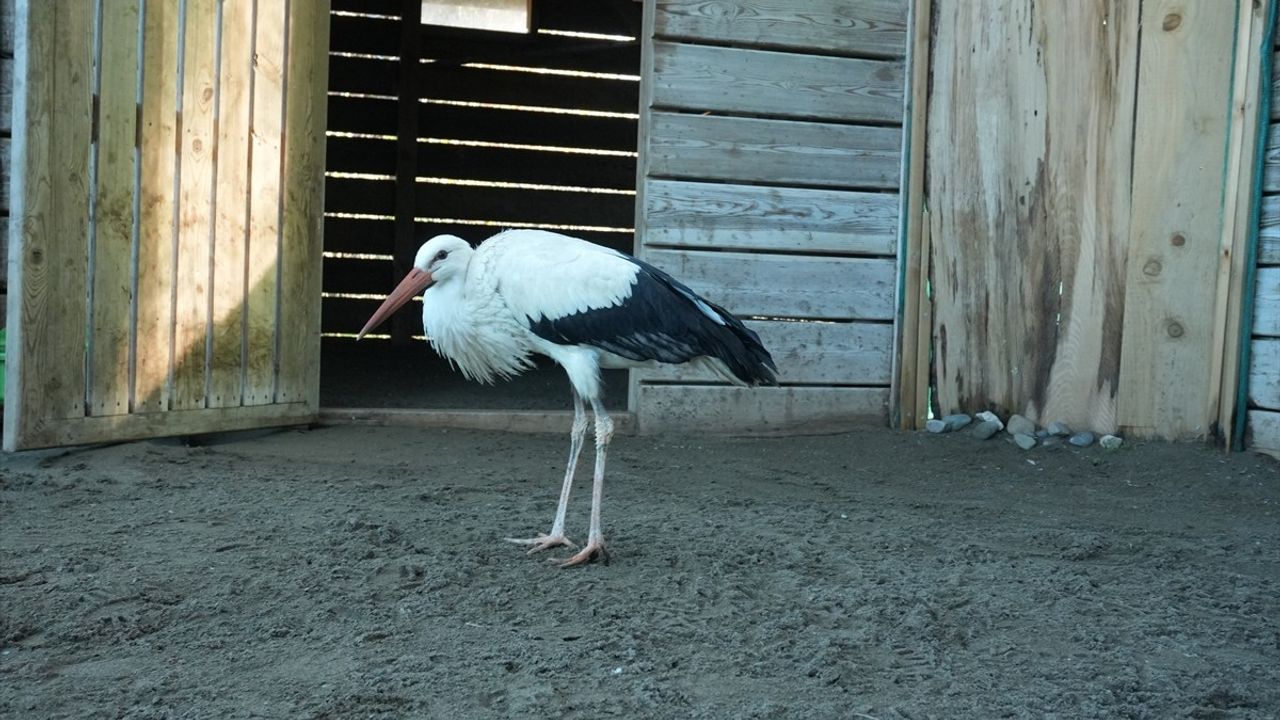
(359, 573)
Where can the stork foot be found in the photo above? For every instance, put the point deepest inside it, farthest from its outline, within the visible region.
(592, 550)
(542, 542)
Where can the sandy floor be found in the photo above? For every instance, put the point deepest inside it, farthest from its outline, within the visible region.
(358, 573)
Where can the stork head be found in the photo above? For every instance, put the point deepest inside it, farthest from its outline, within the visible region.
(441, 259)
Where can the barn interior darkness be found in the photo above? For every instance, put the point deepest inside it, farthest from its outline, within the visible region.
(508, 130)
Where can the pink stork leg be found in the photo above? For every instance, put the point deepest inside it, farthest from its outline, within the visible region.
(577, 435)
(595, 538)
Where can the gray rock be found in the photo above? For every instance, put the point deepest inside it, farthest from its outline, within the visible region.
(988, 416)
(1024, 441)
(935, 426)
(1058, 428)
(1019, 425)
(1081, 439)
(986, 429)
(1042, 434)
(956, 422)
(1110, 442)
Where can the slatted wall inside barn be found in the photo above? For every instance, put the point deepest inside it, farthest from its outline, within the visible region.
(770, 161)
(508, 131)
(6, 133)
(1264, 371)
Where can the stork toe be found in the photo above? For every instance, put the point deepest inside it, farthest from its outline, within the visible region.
(591, 551)
(542, 542)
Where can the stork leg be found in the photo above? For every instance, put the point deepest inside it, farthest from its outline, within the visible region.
(595, 538)
(577, 435)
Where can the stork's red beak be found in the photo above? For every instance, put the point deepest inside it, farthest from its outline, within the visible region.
(412, 284)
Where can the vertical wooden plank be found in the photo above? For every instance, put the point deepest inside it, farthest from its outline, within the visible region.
(1238, 211)
(1030, 121)
(158, 141)
(407, 324)
(231, 204)
(306, 84)
(264, 202)
(915, 275)
(1178, 185)
(647, 22)
(113, 236)
(195, 200)
(46, 322)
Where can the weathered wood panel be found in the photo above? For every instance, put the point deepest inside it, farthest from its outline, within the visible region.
(786, 285)
(263, 252)
(811, 353)
(713, 215)
(854, 27)
(774, 152)
(112, 235)
(1264, 432)
(1271, 169)
(1264, 373)
(1275, 86)
(303, 191)
(46, 354)
(1173, 256)
(84, 430)
(231, 205)
(715, 409)
(1266, 308)
(1029, 129)
(760, 82)
(159, 136)
(6, 93)
(1269, 237)
(195, 204)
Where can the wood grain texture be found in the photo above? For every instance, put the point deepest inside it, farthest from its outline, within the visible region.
(1266, 308)
(753, 217)
(1264, 373)
(264, 205)
(749, 284)
(866, 28)
(1269, 236)
(121, 428)
(195, 205)
(1030, 119)
(303, 192)
(6, 94)
(810, 353)
(720, 409)
(45, 362)
(158, 138)
(231, 205)
(111, 274)
(759, 82)
(1275, 86)
(1271, 167)
(1171, 285)
(774, 152)
(1264, 432)
(6, 27)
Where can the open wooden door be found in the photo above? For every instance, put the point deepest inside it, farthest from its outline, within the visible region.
(168, 172)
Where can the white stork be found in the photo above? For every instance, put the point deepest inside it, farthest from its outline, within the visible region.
(488, 309)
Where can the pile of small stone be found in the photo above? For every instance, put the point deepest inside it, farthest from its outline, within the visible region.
(1023, 432)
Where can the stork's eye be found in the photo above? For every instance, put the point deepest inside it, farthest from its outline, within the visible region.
(441, 255)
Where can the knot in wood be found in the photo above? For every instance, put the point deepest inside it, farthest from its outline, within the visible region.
(1175, 329)
(1178, 240)
(1152, 268)
(1171, 22)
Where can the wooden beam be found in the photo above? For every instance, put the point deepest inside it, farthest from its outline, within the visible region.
(405, 325)
(912, 299)
(858, 27)
(524, 421)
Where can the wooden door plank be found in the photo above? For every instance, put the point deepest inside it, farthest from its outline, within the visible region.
(1029, 129)
(710, 409)
(1264, 373)
(231, 205)
(264, 205)
(112, 325)
(760, 82)
(46, 357)
(810, 353)
(1269, 236)
(87, 430)
(773, 152)
(749, 284)
(1173, 254)
(732, 217)
(303, 215)
(867, 28)
(195, 201)
(156, 230)
(1264, 432)
(1271, 166)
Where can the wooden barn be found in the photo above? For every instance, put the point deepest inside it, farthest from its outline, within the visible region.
(1067, 210)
